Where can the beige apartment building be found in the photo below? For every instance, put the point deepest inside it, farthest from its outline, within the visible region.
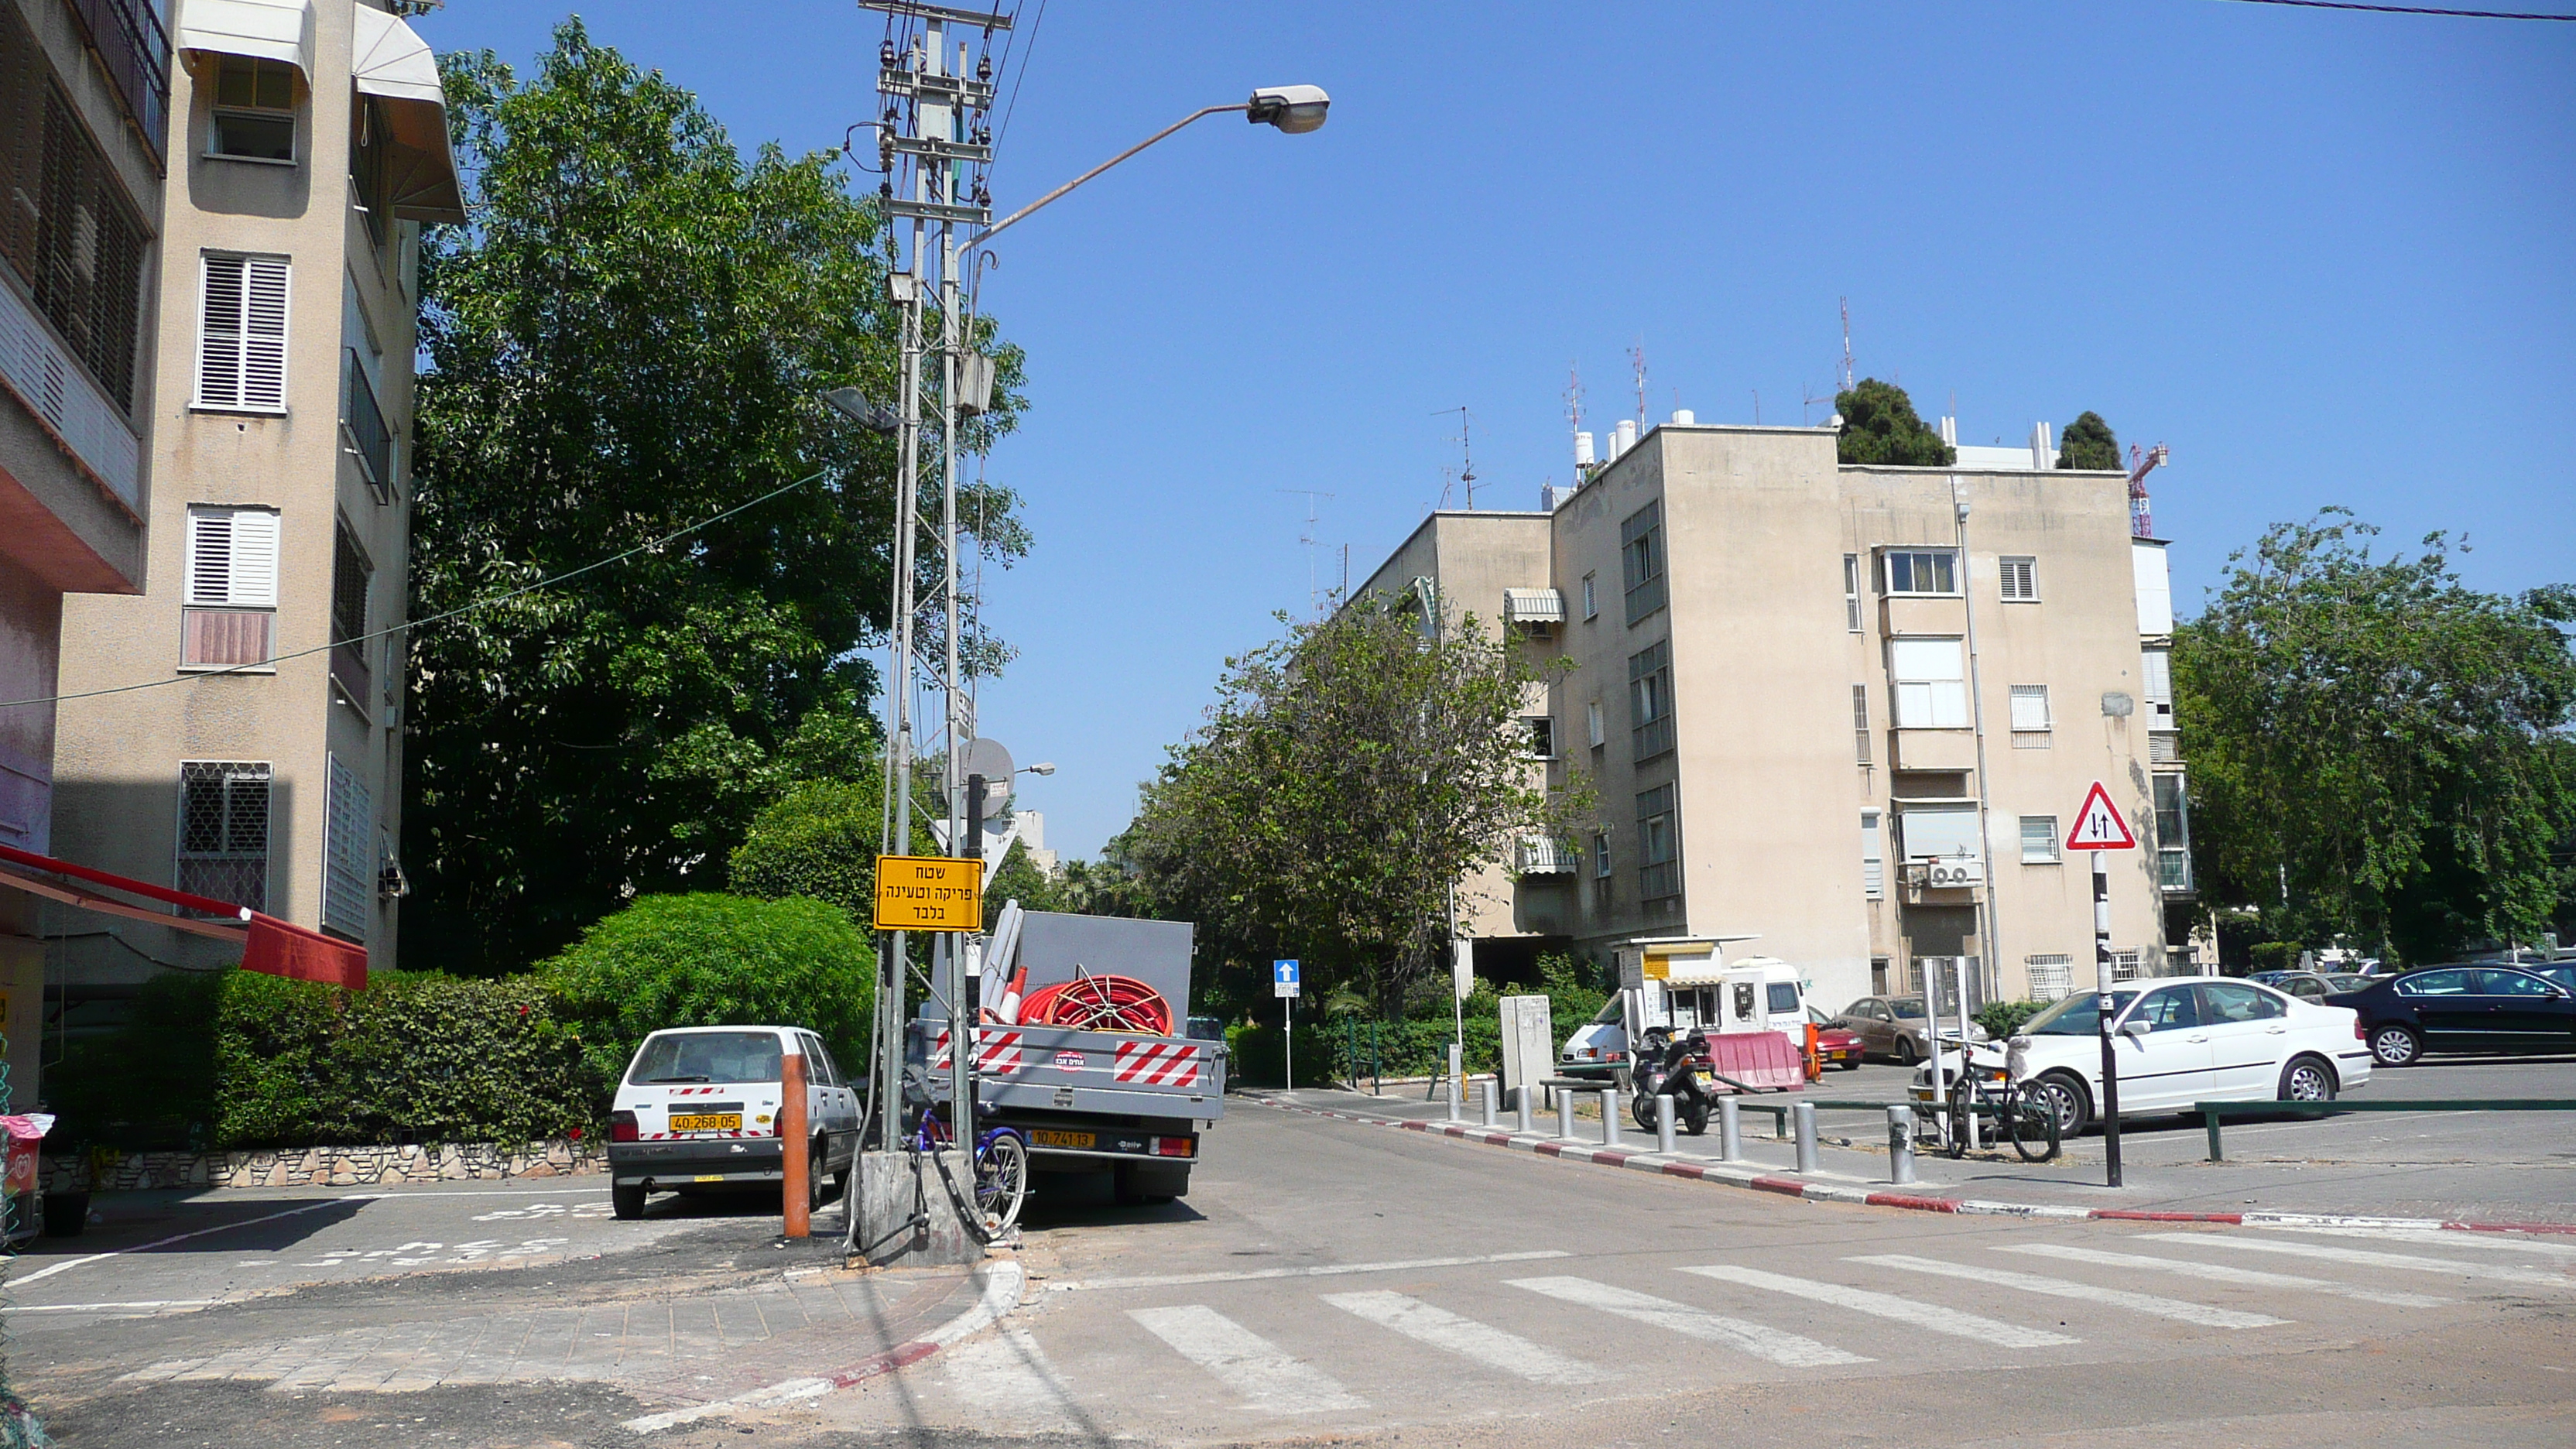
(1840, 715)
(307, 144)
(82, 91)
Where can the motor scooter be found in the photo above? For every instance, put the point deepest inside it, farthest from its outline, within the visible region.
(1668, 1065)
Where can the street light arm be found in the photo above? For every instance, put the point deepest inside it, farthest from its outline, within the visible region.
(996, 229)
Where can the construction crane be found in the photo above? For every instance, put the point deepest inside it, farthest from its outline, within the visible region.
(2141, 523)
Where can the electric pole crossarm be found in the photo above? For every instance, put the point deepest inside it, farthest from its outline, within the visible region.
(1014, 218)
(952, 14)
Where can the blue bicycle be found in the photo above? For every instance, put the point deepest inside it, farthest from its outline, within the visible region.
(1001, 1167)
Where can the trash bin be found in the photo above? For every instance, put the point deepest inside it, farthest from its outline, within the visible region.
(26, 1139)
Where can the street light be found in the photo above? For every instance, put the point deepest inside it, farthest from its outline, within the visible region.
(874, 416)
(1294, 110)
(1044, 767)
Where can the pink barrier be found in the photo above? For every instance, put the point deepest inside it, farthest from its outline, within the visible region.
(1766, 1060)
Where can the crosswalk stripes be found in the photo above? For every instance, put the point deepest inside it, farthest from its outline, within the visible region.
(2221, 1273)
(2402, 1262)
(1493, 1347)
(1787, 1349)
(1267, 1378)
(1932, 1316)
(2178, 1309)
(2438, 1237)
(1009, 1379)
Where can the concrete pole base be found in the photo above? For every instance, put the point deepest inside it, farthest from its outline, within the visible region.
(893, 1189)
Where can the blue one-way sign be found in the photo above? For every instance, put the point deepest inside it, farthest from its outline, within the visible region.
(1283, 978)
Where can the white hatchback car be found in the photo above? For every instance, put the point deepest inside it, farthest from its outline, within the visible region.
(698, 1109)
(2194, 1039)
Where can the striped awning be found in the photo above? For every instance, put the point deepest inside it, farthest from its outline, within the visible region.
(1533, 606)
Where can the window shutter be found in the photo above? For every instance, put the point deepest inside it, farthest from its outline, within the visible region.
(241, 334)
(2030, 706)
(210, 557)
(219, 334)
(2020, 578)
(254, 583)
(232, 558)
(264, 339)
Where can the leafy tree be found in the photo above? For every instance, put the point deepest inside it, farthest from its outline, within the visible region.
(2383, 736)
(819, 840)
(1348, 774)
(1879, 426)
(2088, 443)
(716, 960)
(1018, 878)
(629, 337)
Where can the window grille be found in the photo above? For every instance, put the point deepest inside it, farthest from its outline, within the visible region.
(2124, 966)
(1641, 561)
(66, 226)
(1851, 592)
(2030, 707)
(241, 337)
(348, 861)
(1860, 722)
(350, 576)
(2020, 579)
(2052, 977)
(2039, 844)
(223, 831)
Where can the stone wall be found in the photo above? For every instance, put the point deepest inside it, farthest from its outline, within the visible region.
(330, 1166)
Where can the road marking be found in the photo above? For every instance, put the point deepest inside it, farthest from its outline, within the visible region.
(1008, 1379)
(1446, 1331)
(2174, 1308)
(2222, 1273)
(43, 1273)
(2438, 1237)
(1267, 1377)
(1887, 1305)
(1329, 1270)
(2404, 1262)
(1788, 1349)
(110, 1307)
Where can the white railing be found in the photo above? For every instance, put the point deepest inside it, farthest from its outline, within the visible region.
(37, 368)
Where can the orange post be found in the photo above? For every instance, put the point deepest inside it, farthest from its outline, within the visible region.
(1815, 1056)
(793, 1138)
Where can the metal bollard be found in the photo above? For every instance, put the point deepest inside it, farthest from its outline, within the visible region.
(1803, 1114)
(1525, 1110)
(1457, 1088)
(1730, 1130)
(1492, 1088)
(1664, 1124)
(1900, 1144)
(1565, 1115)
(1609, 1116)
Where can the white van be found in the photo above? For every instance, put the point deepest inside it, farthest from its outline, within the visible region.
(698, 1109)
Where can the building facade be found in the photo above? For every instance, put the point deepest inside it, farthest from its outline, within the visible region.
(1841, 714)
(83, 89)
(308, 144)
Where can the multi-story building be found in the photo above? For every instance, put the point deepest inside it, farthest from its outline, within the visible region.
(83, 89)
(308, 143)
(1841, 713)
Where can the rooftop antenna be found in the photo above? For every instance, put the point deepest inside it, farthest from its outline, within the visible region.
(1847, 366)
(1637, 360)
(1573, 398)
(1466, 452)
(1306, 537)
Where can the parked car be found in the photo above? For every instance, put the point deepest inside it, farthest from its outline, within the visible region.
(2313, 985)
(698, 1109)
(1839, 1046)
(1599, 1047)
(2184, 1041)
(1212, 1029)
(2464, 1009)
(1894, 1026)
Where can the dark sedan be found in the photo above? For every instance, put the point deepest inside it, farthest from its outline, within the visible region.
(2462, 1009)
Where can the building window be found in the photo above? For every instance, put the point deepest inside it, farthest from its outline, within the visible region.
(1591, 601)
(348, 854)
(241, 333)
(1878, 982)
(66, 229)
(1641, 561)
(2021, 580)
(351, 576)
(254, 111)
(1650, 699)
(2173, 833)
(229, 615)
(1931, 684)
(1921, 571)
(1542, 736)
(1873, 857)
(2039, 840)
(367, 169)
(2124, 965)
(1860, 722)
(223, 831)
(1601, 854)
(2155, 666)
(1592, 731)
(1659, 875)
(1940, 831)
(1851, 592)
(2029, 709)
(2052, 976)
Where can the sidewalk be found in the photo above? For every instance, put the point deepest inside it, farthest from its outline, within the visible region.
(2508, 1170)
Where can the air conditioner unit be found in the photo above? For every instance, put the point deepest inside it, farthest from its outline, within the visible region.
(1954, 872)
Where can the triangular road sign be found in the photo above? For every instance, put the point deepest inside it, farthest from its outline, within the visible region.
(2098, 825)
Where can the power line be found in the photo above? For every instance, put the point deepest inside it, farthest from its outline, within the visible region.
(503, 598)
(2411, 10)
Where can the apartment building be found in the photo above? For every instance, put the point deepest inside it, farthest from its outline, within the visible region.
(83, 87)
(308, 144)
(1836, 714)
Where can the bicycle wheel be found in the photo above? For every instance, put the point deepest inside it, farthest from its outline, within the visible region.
(1001, 1179)
(2032, 1123)
(1962, 1103)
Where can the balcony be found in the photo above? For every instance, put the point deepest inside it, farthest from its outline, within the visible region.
(349, 670)
(363, 430)
(88, 424)
(135, 52)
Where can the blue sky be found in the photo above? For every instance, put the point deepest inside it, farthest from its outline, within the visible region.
(2329, 258)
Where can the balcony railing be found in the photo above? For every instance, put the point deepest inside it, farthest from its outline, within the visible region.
(370, 442)
(135, 50)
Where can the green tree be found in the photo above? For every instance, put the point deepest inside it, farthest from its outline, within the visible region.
(2384, 737)
(1879, 426)
(1018, 878)
(1349, 773)
(631, 336)
(2088, 443)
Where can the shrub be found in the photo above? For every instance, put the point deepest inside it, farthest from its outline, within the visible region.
(2002, 1018)
(713, 960)
(819, 841)
(2276, 955)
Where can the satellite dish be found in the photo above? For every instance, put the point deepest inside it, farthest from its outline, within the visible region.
(988, 759)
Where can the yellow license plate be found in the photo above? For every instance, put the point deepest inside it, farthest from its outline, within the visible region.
(1043, 1137)
(706, 1122)
(710, 1177)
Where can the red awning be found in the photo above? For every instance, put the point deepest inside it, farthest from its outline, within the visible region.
(280, 948)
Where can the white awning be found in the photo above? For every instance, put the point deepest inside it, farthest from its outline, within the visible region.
(389, 61)
(268, 29)
(1544, 855)
(1533, 606)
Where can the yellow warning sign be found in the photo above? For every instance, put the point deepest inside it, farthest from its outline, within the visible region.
(929, 893)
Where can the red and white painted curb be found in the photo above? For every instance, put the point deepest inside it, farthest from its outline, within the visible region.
(1728, 1174)
(1003, 1284)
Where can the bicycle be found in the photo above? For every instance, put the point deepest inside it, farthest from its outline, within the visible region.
(1001, 1168)
(2029, 1120)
